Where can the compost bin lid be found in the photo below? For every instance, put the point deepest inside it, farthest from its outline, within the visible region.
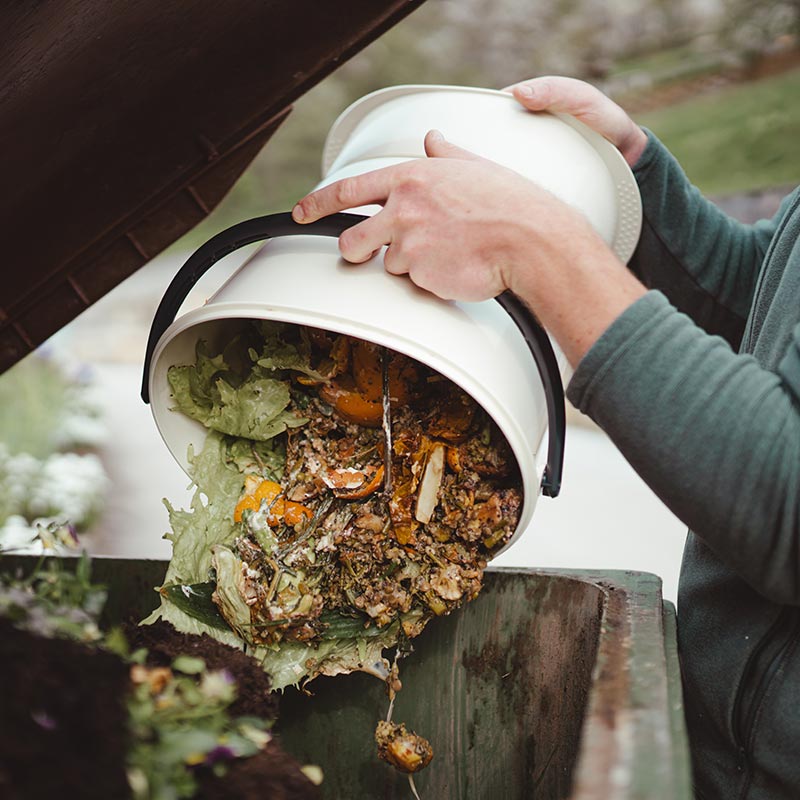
(123, 124)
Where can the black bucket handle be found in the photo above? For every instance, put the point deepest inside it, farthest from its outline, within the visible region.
(275, 225)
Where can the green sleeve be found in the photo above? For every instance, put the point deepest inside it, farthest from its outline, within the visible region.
(715, 435)
(705, 262)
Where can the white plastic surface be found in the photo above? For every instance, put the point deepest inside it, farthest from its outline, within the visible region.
(556, 151)
(302, 279)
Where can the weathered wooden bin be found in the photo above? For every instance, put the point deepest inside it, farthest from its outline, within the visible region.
(549, 685)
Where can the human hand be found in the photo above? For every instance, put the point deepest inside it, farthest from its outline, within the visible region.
(586, 103)
(466, 228)
(459, 225)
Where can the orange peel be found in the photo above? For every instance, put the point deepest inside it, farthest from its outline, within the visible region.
(365, 489)
(352, 406)
(270, 492)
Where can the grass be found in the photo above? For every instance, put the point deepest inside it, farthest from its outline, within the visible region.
(740, 138)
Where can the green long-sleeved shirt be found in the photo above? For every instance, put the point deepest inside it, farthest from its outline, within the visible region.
(698, 384)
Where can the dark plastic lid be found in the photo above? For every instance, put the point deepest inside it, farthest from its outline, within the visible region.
(123, 124)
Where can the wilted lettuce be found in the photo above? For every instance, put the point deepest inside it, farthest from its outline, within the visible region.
(208, 524)
(276, 354)
(253, 408)
(208, 521)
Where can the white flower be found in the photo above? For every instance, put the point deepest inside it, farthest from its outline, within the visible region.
(17, 473)
(71, 486)
(218, 685)
(260, 738)
(17, 534)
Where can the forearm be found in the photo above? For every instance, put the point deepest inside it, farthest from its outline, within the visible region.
(712, 433)
(585, 289)
(705, 261)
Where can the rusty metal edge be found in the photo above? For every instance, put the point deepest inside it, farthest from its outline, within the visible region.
(634, 717)
(681, 758)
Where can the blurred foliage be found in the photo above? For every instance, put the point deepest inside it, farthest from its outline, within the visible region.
(617, 44)
(47, 409)
(741, 137)
(662, 66)
(750, 26)
(47, 415)
(33, 395)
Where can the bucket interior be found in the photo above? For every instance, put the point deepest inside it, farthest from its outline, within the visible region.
(179, 431)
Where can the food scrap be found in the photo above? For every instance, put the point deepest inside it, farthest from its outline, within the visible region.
(347, 494)
(403, 749)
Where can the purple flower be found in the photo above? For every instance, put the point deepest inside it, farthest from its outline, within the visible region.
(71, 532)
(44, 720)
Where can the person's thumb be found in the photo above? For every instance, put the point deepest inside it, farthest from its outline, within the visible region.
(436, 146)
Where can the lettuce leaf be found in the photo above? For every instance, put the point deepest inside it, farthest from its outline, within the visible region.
(264, 458)
(208, 521)
(251, 407)
(255, 410)
(291, 662)
(277, 354)
(218, 479)
(193, 385)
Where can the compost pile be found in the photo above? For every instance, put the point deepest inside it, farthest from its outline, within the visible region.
(346, 494)
(144, 713)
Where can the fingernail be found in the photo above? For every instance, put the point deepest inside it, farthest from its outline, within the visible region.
(525, 91)
(298, 215)
(436, 136)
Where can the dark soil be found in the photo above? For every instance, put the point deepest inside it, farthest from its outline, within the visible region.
(62, 719)
(164, 643)
(63, 722)
(269, 775)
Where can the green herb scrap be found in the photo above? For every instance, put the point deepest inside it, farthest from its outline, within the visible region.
(195, 600)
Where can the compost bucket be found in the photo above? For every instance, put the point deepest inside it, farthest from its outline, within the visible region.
(547, 685)
(496, 352)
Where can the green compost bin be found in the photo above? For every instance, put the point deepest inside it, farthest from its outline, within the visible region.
(549, 685)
